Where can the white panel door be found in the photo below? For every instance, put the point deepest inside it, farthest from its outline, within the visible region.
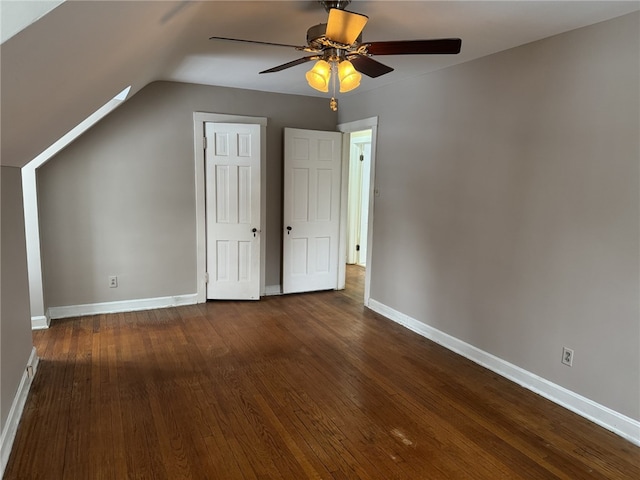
(312, 175)
(232, 163)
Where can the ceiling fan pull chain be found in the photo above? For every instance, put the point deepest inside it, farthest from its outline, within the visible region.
(333, 104)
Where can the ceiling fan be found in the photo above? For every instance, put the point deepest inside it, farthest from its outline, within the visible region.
(339, 51)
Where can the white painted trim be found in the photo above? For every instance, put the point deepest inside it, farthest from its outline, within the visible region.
(618, 423)
(199, 119)
(40, 322)
(344, 204)
(272, 290)
(122, 306)
(357, 125)
(365, 124)
(32, 239)
(30, 201)
(17, 407)
(79, 129)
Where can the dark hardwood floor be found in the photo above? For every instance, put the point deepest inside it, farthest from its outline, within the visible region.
(290, 387)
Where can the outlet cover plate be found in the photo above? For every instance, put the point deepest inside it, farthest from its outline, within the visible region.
(567, 356)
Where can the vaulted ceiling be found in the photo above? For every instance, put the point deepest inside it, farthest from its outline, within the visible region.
(61, 68)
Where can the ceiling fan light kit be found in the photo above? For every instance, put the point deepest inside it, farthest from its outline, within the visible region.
(349, 77)
(318, 77)
(338, 50)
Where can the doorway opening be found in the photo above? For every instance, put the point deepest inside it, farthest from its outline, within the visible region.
(358, 208)
(200, 120)
(360, 172)
(358, 197)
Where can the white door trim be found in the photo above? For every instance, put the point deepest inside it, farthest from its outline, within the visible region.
(199, 119)
(348, 127)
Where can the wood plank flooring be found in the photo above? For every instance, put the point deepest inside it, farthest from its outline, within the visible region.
(293, 387)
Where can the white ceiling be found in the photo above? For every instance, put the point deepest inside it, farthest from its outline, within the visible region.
(67, 64)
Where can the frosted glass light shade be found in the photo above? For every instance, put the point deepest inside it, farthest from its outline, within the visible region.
(319, 76)
(349, 77)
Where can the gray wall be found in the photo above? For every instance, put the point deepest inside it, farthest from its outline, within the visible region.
(15, 320)
(121, 199)
(508, 214)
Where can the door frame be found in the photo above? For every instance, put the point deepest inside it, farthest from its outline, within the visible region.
(354, 216)
(346, 128)
(199, 120)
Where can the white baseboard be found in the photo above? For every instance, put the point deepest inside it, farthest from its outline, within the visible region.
(619, 424)
(11, 425)
(271, 290)
(41, 322)
(122, 306)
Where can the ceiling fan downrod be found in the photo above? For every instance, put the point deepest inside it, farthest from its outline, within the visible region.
(339, 4)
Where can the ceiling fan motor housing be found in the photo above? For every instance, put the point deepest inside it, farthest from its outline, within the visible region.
(316, 37)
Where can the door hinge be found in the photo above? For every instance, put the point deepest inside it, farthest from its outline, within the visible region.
(206, 277)
(204, 143)
(361, 157)
(357, 248)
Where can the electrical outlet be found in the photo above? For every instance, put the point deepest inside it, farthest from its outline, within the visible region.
(567, 356)
(113, 281)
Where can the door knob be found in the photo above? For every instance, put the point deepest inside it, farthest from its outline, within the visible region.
(254, 230)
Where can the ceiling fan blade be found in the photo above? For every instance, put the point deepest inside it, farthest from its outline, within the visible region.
(416, 47)
(370, 67)
(284, 66)
(256, 41)
(345, 27)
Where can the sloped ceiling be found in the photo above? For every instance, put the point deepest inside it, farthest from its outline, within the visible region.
(61, 68)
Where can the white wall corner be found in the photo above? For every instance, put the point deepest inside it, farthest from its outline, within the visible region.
(40, 322)
(621, 425)
(271, 290)
(17, 407)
